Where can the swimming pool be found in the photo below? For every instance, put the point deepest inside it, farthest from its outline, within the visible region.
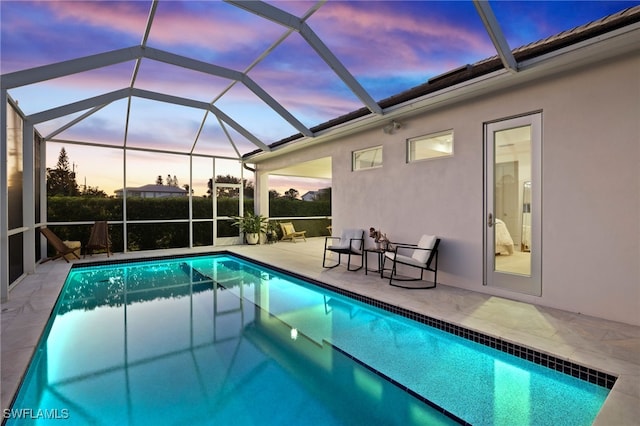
(216, 339)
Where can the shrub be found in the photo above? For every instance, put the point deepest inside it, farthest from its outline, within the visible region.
(172, 235)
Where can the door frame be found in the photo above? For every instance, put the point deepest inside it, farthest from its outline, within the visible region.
(521, 283)
(226, 241)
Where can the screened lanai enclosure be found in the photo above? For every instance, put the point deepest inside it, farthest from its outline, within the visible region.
(141, 105)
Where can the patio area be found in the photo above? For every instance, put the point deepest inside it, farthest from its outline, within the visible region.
(603, 345)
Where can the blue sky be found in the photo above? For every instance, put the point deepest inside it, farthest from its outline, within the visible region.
(389, 46)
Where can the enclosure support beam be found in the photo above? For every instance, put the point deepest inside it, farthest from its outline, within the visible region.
(495, 33)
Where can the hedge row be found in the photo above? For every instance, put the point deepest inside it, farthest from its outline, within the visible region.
(172, 235)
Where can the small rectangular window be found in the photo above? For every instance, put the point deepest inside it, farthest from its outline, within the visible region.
(367, 158)
(430, 146)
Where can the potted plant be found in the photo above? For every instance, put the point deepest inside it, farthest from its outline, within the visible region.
(251, 226)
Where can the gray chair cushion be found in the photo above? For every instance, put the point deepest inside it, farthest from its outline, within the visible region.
(426, 242)
(404, 259)
(345, 240)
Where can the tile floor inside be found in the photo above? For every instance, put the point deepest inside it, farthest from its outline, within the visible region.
(607, 346)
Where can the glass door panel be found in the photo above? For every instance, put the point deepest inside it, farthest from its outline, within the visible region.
(512, 164)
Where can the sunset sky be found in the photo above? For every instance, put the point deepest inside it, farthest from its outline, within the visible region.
(388, 46)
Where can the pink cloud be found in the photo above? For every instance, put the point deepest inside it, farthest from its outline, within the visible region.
(126, 17)
(370, 34)
(173, 24)
(316, 95)
(376, 23)
(227, 36)
(216, 29)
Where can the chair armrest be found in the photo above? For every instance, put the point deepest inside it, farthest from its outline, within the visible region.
(326, 240)
(403, 246)
(351, 240)
(423, 248)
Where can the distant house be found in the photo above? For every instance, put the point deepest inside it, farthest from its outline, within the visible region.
(153, 191)
(310, 196)
(313, 195)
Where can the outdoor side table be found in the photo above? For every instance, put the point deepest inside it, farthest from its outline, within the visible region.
(380, 254)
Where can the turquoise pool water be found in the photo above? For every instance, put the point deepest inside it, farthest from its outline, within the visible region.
(216, 340)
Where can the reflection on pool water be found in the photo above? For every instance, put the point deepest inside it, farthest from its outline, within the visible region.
(218, 340)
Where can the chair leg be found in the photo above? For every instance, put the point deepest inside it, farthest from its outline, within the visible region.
(395, 284)
(349, 264)
(384, 261)
(324, 261)
(393, 272)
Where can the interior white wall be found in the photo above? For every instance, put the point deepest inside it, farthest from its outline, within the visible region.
(591, 187)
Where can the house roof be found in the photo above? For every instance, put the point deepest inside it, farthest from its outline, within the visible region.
(156, 188)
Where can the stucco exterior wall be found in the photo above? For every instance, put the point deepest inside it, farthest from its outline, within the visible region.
(590, 198)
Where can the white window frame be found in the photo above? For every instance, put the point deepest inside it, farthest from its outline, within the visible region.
(356, 165)
(430, 138)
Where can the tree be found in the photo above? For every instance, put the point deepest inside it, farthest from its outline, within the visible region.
(63, 161)
(90, 191)
(171, 181)
(249, 190)
(292, 193)
(230, 192)
(61, 180)
(273, 194)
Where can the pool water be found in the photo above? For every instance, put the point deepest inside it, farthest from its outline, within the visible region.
(217, 340)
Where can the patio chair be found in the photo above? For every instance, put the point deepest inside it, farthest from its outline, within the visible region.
(423, 256)
(61, 248)
(290, 233)
(99, 239)
(351, 243)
